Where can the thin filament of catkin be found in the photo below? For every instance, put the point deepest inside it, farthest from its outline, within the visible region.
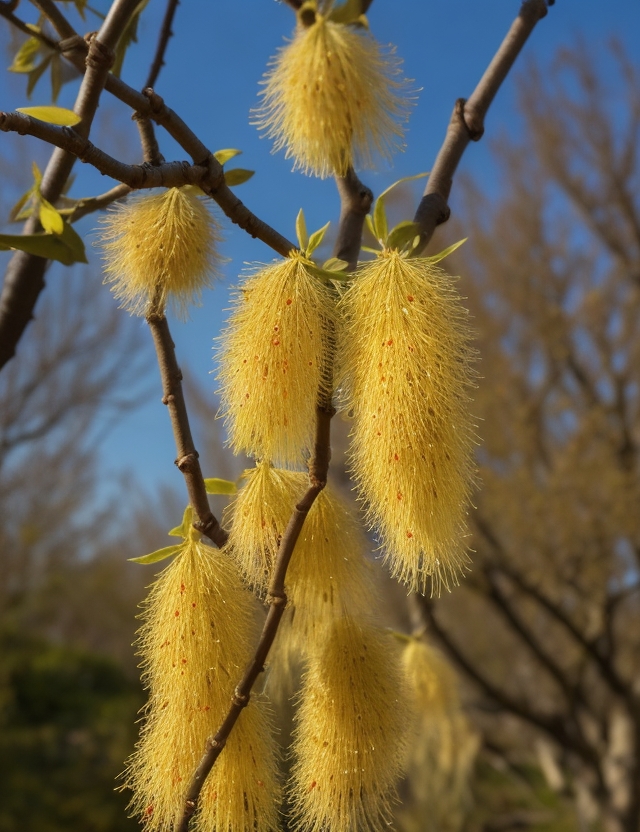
(406, 373)
(272, 361)
(349, 738)
(195, 641)
(160, 247)
(333, 98)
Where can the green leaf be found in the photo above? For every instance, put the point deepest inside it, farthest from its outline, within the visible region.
(237, 176)
(316, 238)
(129, 36)
(369, 221)
(301, 231)
(324, 274)
(213, 485)
(37, 177)
(49, 246)
(24, 59)
(436, 258)
(17, 212)
(50, 219)
(74, 243)
(348, 12)
(184, 528)
(159, 554)
(52, 115)
(56, 77)
(36, 74)
(333, 264)
(223, 156)
(380, 219)
(400, 181)
(403, 233)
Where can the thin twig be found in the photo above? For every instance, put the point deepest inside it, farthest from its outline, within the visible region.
(24, 278)
(163, 41)
(6, 11)
(187, 456)
(467, 121)
(96, 203)
(277, 600)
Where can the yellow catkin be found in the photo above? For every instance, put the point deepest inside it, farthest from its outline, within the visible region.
(334, 98)
(406, 375)
(444, 746)
(328, 576)
(272, 361)
(349, 739)
(160, 247)
(257, 517)
(197, 637)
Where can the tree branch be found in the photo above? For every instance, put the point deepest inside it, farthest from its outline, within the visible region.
(187, 459)
(467, 121)
(355, 203)
(163, 41)
(24, 278)
(277, 600)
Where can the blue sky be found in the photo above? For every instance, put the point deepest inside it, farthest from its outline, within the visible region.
(214, 63)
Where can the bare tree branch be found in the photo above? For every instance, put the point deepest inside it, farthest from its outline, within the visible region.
(187, 459)
(467, 121)
(163, 41)
(24, 278)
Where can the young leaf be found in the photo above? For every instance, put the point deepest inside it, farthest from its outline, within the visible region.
(213, 485)
(236, 176)
(50, 219)
(17, 212)
(223, 156)
(52, 115)
(159, 554)
(436, 258)
(380, 219)
(37, 73)
(129, 36)
(370, 226)
(316, 238)
(402, 234)
(301, 231)
(74, 243)
(333, 264)
(49, 246)
(56, 77)
(23, 61)
(184, 528)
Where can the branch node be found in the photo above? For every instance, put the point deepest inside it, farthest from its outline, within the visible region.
(473, 121)
(186, 462)
(277, 598)
(99, 55)
(240, 700)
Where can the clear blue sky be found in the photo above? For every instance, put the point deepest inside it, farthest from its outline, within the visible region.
(214, 62)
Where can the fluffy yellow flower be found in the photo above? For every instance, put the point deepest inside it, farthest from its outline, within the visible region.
(444, 746)
(160, 247)
(406, 373)
(257, 517)
(349, 739)
(333, 98)
(196, 639)
(272, 361)
(328, 577)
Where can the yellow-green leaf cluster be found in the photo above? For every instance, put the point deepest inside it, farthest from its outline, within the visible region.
(272, 361)
(160, 247)
(406, 374)
(333, 98)
(195, 641)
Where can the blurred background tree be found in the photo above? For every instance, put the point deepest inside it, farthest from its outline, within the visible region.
(545, 627)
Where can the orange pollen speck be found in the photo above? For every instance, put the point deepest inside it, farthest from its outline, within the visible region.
(261, 782)
(275, 342)
(399, 495)
(410, 298)
(193, 604)
(390, 342)
(289, 301)
(396, 457)
(409, 534)
(313, 785)
(182, 587)
(177, 613)
(149, 810)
